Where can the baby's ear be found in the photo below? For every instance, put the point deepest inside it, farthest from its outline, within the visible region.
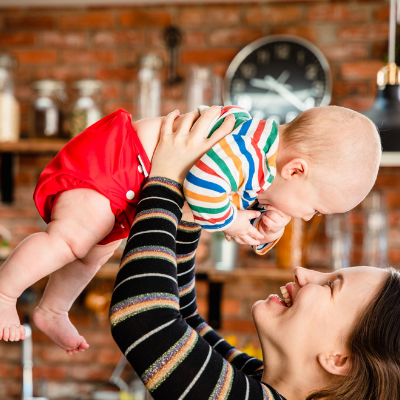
(296, 168)
(335, 364)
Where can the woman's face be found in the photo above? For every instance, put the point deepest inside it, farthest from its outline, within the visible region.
(325, 307)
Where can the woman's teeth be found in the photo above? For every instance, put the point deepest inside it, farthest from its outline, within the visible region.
(286, 296)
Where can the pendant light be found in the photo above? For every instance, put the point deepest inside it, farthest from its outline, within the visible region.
(385, 112)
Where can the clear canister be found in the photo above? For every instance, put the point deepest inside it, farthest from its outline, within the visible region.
(86, 110)
(9, 107)
(47, 109)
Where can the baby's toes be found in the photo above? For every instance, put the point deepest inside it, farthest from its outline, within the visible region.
(22, 332)
(17, 336)
(12, 333)
(6, 333)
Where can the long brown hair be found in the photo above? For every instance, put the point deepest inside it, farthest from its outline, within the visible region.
(375, 350)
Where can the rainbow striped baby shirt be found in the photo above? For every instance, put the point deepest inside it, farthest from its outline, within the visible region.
(231, 175)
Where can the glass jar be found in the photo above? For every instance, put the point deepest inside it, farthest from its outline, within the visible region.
(201, 88)
(85, 111)
(47, 109)
(149, 102)
(9, 107)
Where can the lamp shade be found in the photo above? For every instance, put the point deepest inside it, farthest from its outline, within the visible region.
(385, 113)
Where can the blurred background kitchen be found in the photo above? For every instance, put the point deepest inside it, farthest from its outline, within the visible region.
(65, 64)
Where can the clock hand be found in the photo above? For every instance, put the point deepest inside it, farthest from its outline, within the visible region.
(289, 96)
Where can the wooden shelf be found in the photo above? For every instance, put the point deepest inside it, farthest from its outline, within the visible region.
(33, 146)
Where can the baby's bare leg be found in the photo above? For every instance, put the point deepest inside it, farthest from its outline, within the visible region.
(80, 219)
(64, 286)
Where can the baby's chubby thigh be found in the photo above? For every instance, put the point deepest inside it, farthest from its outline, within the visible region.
(82, 218)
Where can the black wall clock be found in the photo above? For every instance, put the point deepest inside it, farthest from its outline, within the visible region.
(278, 77)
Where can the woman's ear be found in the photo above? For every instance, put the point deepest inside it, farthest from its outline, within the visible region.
(296, 168)
(335, 364)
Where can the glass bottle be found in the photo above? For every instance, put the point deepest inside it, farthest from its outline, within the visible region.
(86, 110)
(47, 109)
(149, 102)
(201, 88)
(9, 107)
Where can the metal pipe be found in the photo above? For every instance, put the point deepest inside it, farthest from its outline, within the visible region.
(392, 31)
(27, 364)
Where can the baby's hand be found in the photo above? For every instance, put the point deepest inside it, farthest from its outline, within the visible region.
(272, 224)
(241, 230)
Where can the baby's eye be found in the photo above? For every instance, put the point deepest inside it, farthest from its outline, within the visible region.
(330, 286)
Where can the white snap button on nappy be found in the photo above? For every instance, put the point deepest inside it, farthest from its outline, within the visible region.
(130, 194)
(140, 169)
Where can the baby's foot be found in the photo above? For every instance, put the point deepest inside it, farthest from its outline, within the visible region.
(10, 327)
(58, 327)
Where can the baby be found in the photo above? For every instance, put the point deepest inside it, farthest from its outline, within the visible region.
(319, 167)
(325, 161)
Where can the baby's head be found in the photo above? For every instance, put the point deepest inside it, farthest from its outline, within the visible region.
(328, 160)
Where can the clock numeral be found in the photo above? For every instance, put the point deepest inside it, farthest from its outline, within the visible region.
(311, 72)
(282, 51)
(318, 88)
(300, 57)
(238, 85)
(249, 70)
(263, 57)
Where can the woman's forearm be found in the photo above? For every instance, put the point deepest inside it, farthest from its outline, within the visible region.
(172, 360)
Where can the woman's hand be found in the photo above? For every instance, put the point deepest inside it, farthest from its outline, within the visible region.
(178, 151)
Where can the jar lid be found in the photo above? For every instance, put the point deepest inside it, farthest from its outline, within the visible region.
(48, 85)
(88, 84)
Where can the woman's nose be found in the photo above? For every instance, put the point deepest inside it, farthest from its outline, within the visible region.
(305, 276)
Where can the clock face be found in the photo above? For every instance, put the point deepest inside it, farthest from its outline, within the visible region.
(278, 77)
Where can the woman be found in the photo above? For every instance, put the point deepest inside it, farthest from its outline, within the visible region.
(340, 338)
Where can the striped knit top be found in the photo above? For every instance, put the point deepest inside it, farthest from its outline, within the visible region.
(231, 175)
(154, 317)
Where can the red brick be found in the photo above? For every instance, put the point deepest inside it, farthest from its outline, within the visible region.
(357, 103)
(43, 21)
(393, 199)
(60, 39)
(387, 181)
(208, 56)
(382, 13)
(394, 238)
(201, 288)
(336, 13)
(118, 39)
(361, 69)
(242, 326)
(4, 371)
(230, 307)
(394, 218)
(93, 373)
(55, 355)
(349, 88)
(17, 39)
(110, 107)
(88, 56)
(234, 35)
(64, 72)
(364, 32)
(109, 357)
(140, 17)
(273, 15)
(26, 230)
(110, 91)
(15, 213)
(209, 16)
(202, 307)
(49, 372)
(36, 56)
(379, 50)
(305, 32)
(87, 21)
(194, 38)
(122, 74)
(344, 51)
(394, 257)
(99, 338)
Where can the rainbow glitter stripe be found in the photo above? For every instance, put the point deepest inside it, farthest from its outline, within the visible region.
(232, 353)
(267, 394)
(161, 369)
(182, 258)
(138, 304)
(186, 289)
(139, 253)
(189, 226)
(203, 329)
(224, 384)
(167, 183)
(156, 213)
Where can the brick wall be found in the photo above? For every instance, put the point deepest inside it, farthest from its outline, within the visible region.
(106, 43)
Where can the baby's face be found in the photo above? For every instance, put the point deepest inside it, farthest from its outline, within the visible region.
(304, 198)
